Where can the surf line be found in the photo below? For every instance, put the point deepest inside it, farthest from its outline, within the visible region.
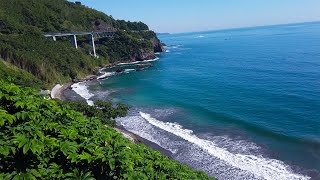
(82, 90)
(269, 169)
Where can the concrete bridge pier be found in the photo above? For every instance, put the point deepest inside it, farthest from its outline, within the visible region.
(74, 41)
(93, 46)
(73, 35)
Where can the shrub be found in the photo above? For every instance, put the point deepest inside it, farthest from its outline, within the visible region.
(42, 139)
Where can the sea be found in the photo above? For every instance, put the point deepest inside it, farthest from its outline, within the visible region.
(236, 104)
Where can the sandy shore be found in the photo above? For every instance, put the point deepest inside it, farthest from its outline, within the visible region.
(58, 93)
(137, 139)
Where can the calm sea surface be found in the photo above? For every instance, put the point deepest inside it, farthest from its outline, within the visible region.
(238, 104)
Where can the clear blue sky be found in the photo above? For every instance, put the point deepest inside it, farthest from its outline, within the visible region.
(201, 15)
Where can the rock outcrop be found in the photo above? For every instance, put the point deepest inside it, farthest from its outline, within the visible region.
(157, 45)
(144, 55)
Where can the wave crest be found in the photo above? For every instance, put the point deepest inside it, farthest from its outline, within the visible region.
(81, 89)
(270, 169)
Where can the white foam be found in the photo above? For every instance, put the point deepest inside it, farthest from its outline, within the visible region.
(81, 89)
(151, 60)
(105, 75)
(201, 36)
(134, 62)
(137, 62)
(175, 46)
(260, 167)
(184, 152)
(129, 70)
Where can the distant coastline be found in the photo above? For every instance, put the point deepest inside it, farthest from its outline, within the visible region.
(163, 33)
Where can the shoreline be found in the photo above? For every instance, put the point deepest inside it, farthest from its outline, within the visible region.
(58, 93)
(139, 140)
(204, 147)
(57, 90)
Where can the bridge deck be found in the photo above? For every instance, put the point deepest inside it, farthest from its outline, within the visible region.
(94, 35)
(107, 33)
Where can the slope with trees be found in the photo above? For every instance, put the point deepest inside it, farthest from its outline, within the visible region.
(23, 23)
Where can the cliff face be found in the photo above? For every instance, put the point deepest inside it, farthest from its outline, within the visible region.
(157, 45)
(144, 54)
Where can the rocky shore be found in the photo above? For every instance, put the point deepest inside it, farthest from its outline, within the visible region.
(58, 93)
(137, 139)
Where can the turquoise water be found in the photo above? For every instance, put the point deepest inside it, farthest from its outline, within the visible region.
(250, 96)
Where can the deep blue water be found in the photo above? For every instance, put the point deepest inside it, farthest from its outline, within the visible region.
(251, 97)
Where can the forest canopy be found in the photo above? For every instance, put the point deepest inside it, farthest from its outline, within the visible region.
(23, 24)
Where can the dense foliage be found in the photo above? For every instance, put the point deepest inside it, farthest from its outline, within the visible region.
(133, 26)
(47, 139)
(48, 60)
(129, 47)
(104, 110)
(40, 139)
(23, 23)
(12, 74)
(38, 16)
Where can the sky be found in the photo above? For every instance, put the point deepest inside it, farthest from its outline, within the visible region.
(174, 16)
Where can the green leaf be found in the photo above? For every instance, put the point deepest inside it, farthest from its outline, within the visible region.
(73, 157)
(86, 156)
(21, 140)
(68, 147)
(36, 146)
(112, 164)
(5, 116)
(4, 150)
(26, 148)
(1, 121)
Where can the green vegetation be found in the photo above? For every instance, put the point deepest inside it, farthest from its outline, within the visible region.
(23, 22)
(49, 61)
(18, 76)
(130, 46)
(103, 110)
(44, 139)
(48, 139)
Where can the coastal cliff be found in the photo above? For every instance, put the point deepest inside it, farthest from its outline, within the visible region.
(22, 44)
(69, 140)
(140, 31)
(157, 45)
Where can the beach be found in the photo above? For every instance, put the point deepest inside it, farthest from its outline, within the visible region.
(234, 112)
(58, 92)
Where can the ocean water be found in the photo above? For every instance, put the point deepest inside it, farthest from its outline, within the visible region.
(237, 104)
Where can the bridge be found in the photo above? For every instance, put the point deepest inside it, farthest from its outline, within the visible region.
(73, 35)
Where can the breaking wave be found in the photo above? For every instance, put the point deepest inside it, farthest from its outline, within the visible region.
(82, 89)
(258, 167)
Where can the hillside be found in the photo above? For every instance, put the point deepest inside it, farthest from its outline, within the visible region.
(45, 139)
(23, 23)
(18, 76)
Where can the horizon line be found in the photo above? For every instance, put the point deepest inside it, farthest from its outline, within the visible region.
(237, 28)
